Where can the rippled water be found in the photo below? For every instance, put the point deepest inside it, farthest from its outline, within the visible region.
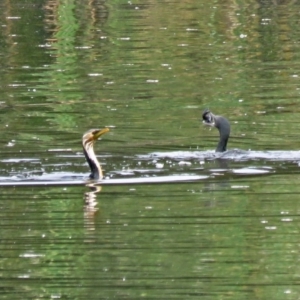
(172, 219)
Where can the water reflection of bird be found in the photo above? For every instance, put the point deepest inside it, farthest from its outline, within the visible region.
(88, 140)
(221, 124)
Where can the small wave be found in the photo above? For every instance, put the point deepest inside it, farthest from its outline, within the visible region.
(108, 181)
(251, 171)
(18, 160)
(234, 154)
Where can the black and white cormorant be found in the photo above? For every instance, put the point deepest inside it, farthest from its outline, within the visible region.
(88, 140)
(221, 124)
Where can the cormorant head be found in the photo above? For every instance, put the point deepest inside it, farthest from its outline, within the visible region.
(93, 135)
(208, 118)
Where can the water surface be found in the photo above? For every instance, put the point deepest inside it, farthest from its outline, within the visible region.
(179, 220)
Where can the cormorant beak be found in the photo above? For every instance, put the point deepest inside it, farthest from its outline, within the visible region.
(99, 132)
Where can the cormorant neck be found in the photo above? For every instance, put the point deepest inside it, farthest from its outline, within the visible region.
(96, 171)
(224, 129)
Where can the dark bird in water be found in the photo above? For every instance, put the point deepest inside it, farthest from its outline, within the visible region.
(221, 124)
(88, 140)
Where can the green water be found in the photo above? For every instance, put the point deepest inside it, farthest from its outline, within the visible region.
(182, 240)
(147, 70)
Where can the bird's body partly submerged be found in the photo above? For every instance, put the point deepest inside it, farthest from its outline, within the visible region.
(88, 140)
(221, 124)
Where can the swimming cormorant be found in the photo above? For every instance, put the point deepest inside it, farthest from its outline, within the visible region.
(221, 124)
(88, 140)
